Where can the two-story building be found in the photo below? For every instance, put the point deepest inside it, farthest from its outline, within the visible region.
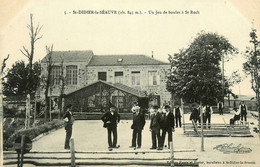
(94, 81)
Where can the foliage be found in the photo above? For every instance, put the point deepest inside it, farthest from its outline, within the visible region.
(252, 64)
(196, 74)
(16, 82)
(11, 132)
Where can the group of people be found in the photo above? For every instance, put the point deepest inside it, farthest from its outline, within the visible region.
(240, 112)
(207, 111)
(162, 123)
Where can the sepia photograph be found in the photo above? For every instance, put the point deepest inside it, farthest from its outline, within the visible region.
(129, 83)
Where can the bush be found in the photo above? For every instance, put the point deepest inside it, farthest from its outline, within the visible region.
(10, 135)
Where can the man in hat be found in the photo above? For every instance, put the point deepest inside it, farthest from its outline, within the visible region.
(220, 108)
(68, 119)
(243, 111)
(177, 114)
(167, 125)
(207, 112)
(111, 119)
(155, 128)
(137, 126)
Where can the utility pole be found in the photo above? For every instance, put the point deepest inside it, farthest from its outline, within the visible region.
(223, 82)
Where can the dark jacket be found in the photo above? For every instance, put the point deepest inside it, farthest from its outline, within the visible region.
(195, 115)
(110, 120)
(155, 121)
(68, 115)
(138, 121)
(167, 121)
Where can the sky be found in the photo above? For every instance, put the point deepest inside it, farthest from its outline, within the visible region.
(125, 32)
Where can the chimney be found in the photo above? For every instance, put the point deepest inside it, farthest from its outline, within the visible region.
(152, 54)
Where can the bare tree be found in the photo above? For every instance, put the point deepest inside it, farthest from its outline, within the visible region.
(62, 85)
(46, 79)
(34, 36)
(1, 111)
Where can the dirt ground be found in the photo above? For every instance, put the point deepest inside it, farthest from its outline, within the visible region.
(91, 136)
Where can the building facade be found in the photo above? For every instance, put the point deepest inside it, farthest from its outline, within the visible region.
(78, 69)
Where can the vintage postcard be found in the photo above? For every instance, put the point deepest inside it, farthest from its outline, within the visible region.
(129, 83)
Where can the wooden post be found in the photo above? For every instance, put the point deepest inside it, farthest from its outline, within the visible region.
(35, 105)
(50, 105)
(183, 120)
(1, 124)
(22, 150)
(28, 109)
(201, 120)
(172, 154)
(18, 159)
(72, 153)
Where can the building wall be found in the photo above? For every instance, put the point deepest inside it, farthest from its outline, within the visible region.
(89, 74)
(161, 70)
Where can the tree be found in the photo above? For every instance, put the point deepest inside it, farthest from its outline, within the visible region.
(16, 81)
(34, 36)
(196, 73)
(62, 85)
(2, 110)
(46, 79)
(251, 66)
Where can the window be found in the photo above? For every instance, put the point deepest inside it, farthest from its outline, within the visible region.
(135, 78)
(72, 75)
(118, 101)
(152, 78)
(119, 77)
(55, 75)
(102, 76)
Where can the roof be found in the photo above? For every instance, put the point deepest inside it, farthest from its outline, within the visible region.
(71, 56)
(115, 60)
(121, 87)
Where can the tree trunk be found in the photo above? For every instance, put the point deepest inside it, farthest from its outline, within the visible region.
(1, 125)
(202, 135)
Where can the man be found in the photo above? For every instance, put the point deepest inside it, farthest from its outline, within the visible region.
(68, 119)
(243, 110)
(111, 119)
(137, 126)
(155, 128)
(195, 115)
(177, 114)
(207, 111)
(220, 108)
(167, 125)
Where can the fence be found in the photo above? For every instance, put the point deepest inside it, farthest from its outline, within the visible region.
(110, 158)
(218, 130)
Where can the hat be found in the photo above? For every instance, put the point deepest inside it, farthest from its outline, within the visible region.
(167, 106)
(69, 105)
(111, 105)
(155, 107)
(136, 108)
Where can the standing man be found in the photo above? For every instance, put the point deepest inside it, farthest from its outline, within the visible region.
(68, 119)
(155, 128)
(177, 114)
(167, 125)
(208, 112)
(220, 108)
(137, 126)
(111, 119)
(195, 114)
(243, 110)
